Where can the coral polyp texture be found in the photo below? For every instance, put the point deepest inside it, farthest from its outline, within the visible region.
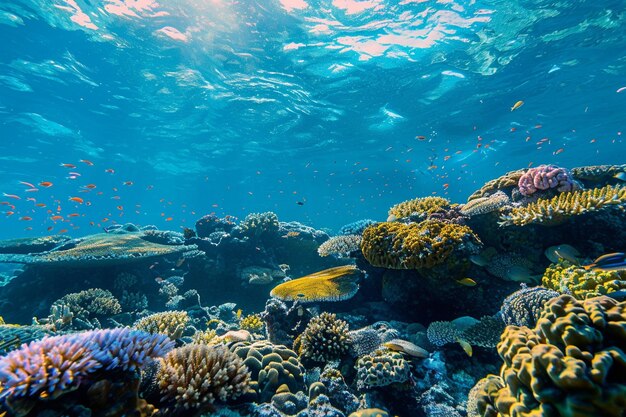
(340, 246)
(98, 250)
(523, 307)
(325, 339)
(259, 224)
(419, 208)
(252, 323)
(575, 280)
(170, 323)
(545, 177)
(194, 377)
(484, 205)
(572, 363)
(506, 181)
(598, 173)
(333, 284)
(561, 208)
(94, 301)
(53, 366)
(416, 245)
(356, 228)
(381, 368)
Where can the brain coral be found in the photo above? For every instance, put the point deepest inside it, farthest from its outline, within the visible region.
(419, 208)
(324, 339)
(522, 308)
(170, 323)
(564, 206)
(567, 278)
(340, 246)
(271, 366)
(53, 366)
(194, 377)
(415, 245)
(572, 363)
(381, 368)
(545, 177)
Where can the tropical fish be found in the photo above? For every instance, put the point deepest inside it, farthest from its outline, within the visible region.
(407, 347)
(479, 260)
(468, 282)
(567, 252)
(517, 105)
(85, 161)
(68, 165)
(608, 262)
(620, 176)
(76, 200)
(466, 347)
(45, 184)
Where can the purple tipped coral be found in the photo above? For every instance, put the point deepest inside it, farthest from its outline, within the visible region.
(545, 177)
(53, 366)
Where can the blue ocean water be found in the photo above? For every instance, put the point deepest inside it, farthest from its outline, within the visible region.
(321, 111)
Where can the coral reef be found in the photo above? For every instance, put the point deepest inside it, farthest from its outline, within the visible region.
(334, 284)
(416, 245)
(418, 209)
(510, 266)
(484, 205)
(341, 246)
(32, 244)
(504, 182)
(598, 173)
(559, 209)
(194, 377)
(258, 225)
(94, 301)
(271, 366)
(571, 363)
(12, 337)
(252, 323)
(324, 339)
(522, 308)
(567, 278)
(545, 177)
(170, 323)
(381, 368)
(356, 228)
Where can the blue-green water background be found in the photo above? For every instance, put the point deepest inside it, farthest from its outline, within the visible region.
(247, 106)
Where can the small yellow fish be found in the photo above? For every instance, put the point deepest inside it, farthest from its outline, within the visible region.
(620, 176)
(468, 282)
(466, 347)
(517, 105)
(239, 312)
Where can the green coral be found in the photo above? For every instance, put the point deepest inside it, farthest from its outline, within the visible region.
(419, 209)
(381, 368)
(252, 323)
(568, 278)
(271, 366)
(572, 363)
(325, 339)
(415, 245)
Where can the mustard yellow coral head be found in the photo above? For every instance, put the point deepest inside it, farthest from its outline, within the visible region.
(334, 284)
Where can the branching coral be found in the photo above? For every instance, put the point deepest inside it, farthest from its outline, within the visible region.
(545, 177)
(381, 368)
(340, 246)
(194, 377)
(484, 205)
(252, 323)
(418, 209)
(415, 245)
(564, 206)
(324, 339)
(572, 363)
(522, 308)
(333, 284)
(355, 228)
(170, 323)
(508, 180)
(53, 366)
(567, 278)
(271, 366)
(94, 301)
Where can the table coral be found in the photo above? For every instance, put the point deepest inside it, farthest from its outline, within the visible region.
(568, 278)
(522, 308)
(270, 366)
(193, 377)
(572, 363)
(559, 209)
(325, 339)
(419, 208)
(415, 245)
(381, 368)
(170, 323)
(545, 177)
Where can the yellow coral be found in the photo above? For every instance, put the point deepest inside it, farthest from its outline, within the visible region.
(333, 284)
(419, 207)
(565, 277)
(252, 323)
(560, 208)
(414, 245)
(508, 180)
(571, 364)
(170, 323)
(206, 337)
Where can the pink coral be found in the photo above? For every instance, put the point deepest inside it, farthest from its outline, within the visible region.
(545, 177)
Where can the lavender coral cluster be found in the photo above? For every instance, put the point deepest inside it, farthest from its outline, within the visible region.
(53, 366)
(545, 177)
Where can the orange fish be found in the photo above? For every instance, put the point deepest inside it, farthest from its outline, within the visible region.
(63, 231)
(73, 215)
(558, 151)
(169, 219)
(420, 137)
(55, 218)
(9, 213)
(50, 228)
(13, 196)
(45, 184)
(76, 200)
(68, 165)
(90, 186)
(26, 218)
(120, 207)
(109, 170)
(40, 205)
(85, 161)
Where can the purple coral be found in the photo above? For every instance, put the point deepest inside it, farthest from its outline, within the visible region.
(545, 177)
(56, 365)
